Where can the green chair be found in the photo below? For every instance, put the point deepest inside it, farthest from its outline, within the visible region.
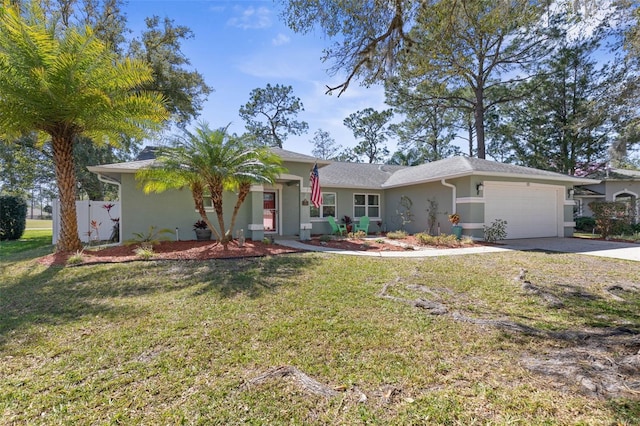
(337, 228)
(362, 225)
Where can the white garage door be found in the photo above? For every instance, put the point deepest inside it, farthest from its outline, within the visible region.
(530, 211)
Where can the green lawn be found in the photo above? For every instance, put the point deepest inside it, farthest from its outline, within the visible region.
(39, 224)
(181, 342)
(33, 242)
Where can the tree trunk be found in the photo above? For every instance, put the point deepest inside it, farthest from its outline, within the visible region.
(198, 198)
(243, 191)
(68, 239)
(478, 116)
(217, 192)
(470, 130)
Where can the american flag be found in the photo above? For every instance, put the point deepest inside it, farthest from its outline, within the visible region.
(316, 195)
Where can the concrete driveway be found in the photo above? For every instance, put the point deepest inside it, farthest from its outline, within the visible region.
(615, 250)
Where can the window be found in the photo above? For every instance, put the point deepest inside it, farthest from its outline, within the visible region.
(366, 205)
(327, 208)
(207, 201)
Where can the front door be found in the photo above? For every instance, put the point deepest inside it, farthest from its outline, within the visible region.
(270, 213)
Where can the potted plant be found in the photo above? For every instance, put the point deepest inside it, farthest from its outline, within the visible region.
(455, 229)
(203, 233)
(349, 222)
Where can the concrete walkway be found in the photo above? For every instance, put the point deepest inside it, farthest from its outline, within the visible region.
(615, 250)
(611, 249)
(422, 252)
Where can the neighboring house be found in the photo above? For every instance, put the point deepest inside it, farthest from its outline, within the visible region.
(535, 203)
(611, 185)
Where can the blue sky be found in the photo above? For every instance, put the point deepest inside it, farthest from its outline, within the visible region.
(242, 45)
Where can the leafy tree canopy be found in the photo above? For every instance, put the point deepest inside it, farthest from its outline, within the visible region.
(270, 115)
(324, 146)
(370, 128)
(214, 161)
(64, 83)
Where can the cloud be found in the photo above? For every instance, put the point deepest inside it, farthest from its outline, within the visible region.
(251, 18)
(281, 39)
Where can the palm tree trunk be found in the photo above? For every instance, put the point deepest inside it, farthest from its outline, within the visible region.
(243, 191)
(217, 191)
(68, 239)
(198, 198)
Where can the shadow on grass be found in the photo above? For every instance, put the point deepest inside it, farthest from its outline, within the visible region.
(253, 276)
(57, 295)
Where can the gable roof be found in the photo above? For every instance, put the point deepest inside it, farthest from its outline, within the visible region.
(148, 154)
(453, 167)
(356, 175)
(379, 176)
(295, 157)
(615, 174)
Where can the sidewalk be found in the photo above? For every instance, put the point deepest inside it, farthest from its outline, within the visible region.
(393, 254)
(608, 249)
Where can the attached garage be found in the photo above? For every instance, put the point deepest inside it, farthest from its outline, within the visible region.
(531, 210)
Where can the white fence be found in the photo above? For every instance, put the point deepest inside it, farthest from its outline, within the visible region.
(86, 213)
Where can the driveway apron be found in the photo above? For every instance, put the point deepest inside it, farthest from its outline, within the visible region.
(611, 249)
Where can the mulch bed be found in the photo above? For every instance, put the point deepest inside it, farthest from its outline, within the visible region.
(172, 250)
(204, 250)
(355, 245)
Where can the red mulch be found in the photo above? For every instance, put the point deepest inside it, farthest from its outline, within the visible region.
(355, 245)
(172, 250)
(203, 250)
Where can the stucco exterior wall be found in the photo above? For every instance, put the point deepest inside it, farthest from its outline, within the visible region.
(175, 209)
(617, 187)
(345, 206)
(290, 210)
(171, 209)
(420, 196)
(610, 189)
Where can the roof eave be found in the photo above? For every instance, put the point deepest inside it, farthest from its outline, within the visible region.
(365, 187)
(563, 178)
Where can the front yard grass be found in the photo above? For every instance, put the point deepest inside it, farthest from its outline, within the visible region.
(180, 342)
(32, 239)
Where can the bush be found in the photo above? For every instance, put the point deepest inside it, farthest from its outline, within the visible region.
(76, 258)
(358, 235)
(397, 235)
(144, 253)
(496, 231)
(443, 240)
(13, 217)
(611, 217)
(150, 238)
(585, 224)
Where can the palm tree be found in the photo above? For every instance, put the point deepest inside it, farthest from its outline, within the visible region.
(63, 84)
(212, 160)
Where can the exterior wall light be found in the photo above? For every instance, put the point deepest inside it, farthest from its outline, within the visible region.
(479, 187)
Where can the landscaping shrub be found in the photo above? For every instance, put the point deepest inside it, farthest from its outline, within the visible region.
(359, 235)
(585, 224)
(496, 231)
(150, 238)
(611, 217)
(76, 258)
(13, 217)
(397, 235)
(144, 253)
(443, 240)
